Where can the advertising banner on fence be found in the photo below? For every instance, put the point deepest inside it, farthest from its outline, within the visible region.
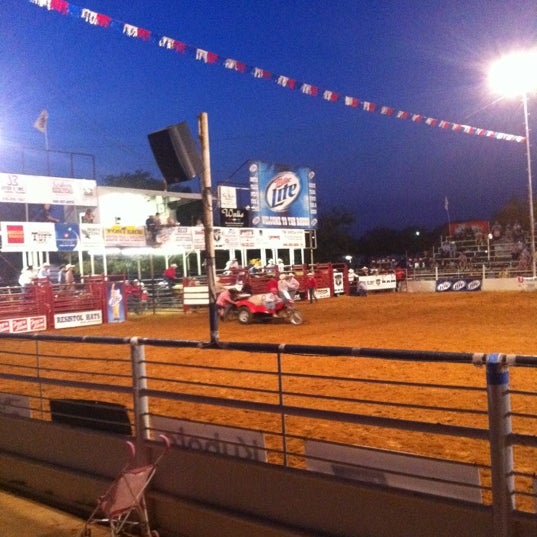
(91, 236)
(15, 405)
(128, 236)
(379, 282)
(20, 325)
(116, 305)
(444, 285)
(469, 228)
(218, 439)
(396, 469)
(78, 318)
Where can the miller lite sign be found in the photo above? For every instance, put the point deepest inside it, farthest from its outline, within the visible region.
(282, 191)
(282, 197)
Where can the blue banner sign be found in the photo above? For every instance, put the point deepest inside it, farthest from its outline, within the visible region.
(282, 197)
(444, 285)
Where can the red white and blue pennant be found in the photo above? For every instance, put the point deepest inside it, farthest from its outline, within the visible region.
(169, 43)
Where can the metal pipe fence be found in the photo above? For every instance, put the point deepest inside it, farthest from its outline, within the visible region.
(361, 414)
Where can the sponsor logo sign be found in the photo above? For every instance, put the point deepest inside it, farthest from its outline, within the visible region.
(230, 441)
(458, 284)
(379, 282)
(79, 318)
(20, 325)
(281, 197)
(17, 188)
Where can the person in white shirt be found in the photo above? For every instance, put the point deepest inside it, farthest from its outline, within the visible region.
(26, 277)
(44, 271)
(286, 287)
(293, 285)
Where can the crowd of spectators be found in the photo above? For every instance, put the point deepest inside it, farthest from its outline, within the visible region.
(505, 247)
(502, 247)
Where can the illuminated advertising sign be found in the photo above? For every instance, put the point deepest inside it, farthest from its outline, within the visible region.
(281, 197)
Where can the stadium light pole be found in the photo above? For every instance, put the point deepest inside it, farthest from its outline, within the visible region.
(515, 75)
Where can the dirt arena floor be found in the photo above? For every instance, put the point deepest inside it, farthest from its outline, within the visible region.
(458, 322)
(477, 322)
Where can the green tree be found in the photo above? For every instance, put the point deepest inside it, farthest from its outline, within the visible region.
(334, 236)
(515, 210)
(139, 179)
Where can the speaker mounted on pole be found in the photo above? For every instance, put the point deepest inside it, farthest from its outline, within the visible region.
(176, 153)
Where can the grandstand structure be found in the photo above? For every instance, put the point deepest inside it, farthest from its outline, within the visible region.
(502, 256)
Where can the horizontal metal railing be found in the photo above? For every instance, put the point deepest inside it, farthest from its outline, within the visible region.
(316, 408)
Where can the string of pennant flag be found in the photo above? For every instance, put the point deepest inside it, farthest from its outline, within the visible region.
(104, 21)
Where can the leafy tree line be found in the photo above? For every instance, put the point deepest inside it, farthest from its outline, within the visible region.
(335, 239)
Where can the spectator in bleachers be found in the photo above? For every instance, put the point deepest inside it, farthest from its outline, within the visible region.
(69, 276)
(524, 260)
(462, 261)
(61, 274)
(518, 233)
(516, 249)
(496, 230)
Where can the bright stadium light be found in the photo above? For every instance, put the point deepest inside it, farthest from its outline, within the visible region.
(515, 75)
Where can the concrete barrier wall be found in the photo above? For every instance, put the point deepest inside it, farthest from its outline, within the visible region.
(197, 494)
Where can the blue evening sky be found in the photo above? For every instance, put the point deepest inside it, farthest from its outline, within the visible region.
(105, 92)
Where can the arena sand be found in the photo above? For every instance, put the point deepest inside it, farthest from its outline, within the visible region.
(457, 322)
(477, 322)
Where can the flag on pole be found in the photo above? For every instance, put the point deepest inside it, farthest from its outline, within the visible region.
(41, 122)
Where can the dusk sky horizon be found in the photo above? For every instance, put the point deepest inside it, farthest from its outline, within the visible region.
(349, 88)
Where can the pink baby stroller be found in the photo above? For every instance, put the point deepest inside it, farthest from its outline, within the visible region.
(123, 506)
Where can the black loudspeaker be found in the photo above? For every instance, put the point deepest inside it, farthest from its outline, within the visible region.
(176, 153)
(96, 415)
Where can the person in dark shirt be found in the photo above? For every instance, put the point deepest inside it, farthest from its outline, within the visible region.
(46, 215)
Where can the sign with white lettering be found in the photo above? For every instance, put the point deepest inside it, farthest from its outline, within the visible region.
(23, 324)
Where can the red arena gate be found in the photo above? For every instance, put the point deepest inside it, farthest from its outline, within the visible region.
(43, 306)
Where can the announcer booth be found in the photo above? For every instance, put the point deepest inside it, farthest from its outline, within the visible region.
(54, 219)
